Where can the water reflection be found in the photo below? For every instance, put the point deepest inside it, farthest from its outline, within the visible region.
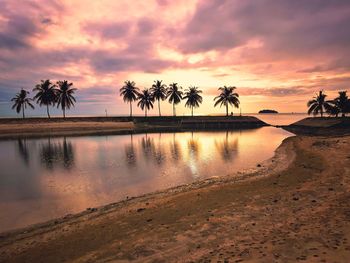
(130, 153)
(227, 148)
(175, 149)
(107, 169)
(159, 151)
(57, 154)
(193, 147)
(23, 150)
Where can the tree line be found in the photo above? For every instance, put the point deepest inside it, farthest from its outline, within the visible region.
(173, 93)
(320, 105)
(47, 94)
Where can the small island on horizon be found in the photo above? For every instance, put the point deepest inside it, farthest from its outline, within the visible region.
(268, 111)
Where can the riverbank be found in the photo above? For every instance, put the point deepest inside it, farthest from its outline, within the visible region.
(34, 127)
(298, 212)
(320, 126)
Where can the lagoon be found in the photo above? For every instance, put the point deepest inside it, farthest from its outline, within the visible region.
(45, 178)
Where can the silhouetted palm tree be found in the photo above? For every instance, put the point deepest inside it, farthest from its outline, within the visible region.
(193, 98)
(145, 100)
(21, 102)
(333, 110)
(158, 92)
(65, 97)
(174, 94)
(319, 104)
(129, 92)
(46, 94)
(227, 97)
(342, 102)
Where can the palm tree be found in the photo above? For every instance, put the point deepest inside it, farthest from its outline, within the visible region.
(174, 94)
(46, 94)
(65, 97)
(319, 104)
(193, 98)
(227, 97)
(145, 100)
(21, 101)
(129, 92)
(342, 102)
(158, 92)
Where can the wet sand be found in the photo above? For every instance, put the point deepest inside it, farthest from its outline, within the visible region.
(295, 207)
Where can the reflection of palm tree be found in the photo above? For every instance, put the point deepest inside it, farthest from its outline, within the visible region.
(68, 154)
(227, 148)
(175, 149)
(130, 152)
(147, 146)
(23, 150)
(193, 146)
(57, 153)
(159, 155)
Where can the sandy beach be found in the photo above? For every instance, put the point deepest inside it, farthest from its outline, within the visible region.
(62, 128)
(293, 208)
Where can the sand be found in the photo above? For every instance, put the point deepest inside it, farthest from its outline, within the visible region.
(293, 208)
(61, 128)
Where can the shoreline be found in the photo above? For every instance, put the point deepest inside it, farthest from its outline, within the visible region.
(75, 126)
(293, 213)
(283, 157)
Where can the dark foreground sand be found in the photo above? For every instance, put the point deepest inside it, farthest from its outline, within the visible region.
(299, 213)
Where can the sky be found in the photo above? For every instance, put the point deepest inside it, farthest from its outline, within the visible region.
(277, 53)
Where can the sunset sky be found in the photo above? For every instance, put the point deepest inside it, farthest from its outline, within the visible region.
(277, 53)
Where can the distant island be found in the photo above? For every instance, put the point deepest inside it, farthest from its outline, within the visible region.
(268, 111)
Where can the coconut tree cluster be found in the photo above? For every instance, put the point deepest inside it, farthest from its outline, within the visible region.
(320, 105)
(47, 94)
(174, 94)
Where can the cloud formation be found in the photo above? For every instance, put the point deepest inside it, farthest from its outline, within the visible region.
(266, 48)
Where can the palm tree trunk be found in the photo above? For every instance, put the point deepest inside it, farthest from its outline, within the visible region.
(192, 111)
(159, 107)
(174, 109)
(226, 109)
(321, 112)
(64, 113)
(23, 112)
(146, 112)
(47, 109)
(130, 109)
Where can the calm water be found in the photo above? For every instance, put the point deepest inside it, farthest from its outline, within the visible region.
(281, 118)
(41, 179)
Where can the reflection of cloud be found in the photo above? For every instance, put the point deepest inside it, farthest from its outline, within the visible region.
(57, 153)
(227, 148)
